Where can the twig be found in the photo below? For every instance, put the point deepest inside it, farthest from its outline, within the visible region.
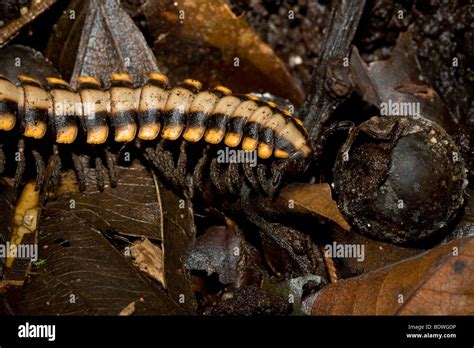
(11, 29)
(331, 81)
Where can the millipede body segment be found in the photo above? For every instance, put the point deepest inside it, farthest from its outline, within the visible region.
(148, 112)
(153, 111)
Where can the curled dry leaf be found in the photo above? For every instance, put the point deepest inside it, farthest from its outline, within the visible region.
(438, 282)
(149, 259)
(209, 32)
(398, 81)
(312, 199)
(128, 310)
(110, 43)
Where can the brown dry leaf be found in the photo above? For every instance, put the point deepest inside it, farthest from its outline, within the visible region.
(438, 282)
(399, 80)
(149, 259)
(213, 32)
(128, 310)
(377, 254)
(313, 199)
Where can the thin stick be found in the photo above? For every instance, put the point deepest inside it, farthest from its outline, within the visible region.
(11, 29)
(331, 81)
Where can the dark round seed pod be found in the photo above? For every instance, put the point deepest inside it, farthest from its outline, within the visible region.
(399, 179)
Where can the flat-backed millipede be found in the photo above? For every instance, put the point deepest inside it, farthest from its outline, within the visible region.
(153, 111)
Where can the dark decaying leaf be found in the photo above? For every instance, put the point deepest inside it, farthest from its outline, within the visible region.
(85, 274)
(376, 254)
(179, 232)
(225, 251)
(203, 39)
(291, 253)
(17, 59)
(438, 282)
(9, 31)
(399, 80)
(110, 43)
(130, 209)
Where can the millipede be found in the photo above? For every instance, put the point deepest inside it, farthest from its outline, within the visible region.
(154, 115)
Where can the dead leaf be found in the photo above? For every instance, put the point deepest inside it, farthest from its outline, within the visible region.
(438, 282)
(85, 274)
(33, 64)
(205, 40)
(130, 209)
(179, 233)
(311, 199)
(127, 311)
(376, 254)
(109, 43)
(399, 80)
(149, 259)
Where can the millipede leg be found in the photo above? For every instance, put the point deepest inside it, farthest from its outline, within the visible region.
(79, 167)
(278, 170)
(53, 170)
(232, 177)
(159, 161)
(181, 165)
(169, 167)
(199, 169)
(40, 169)
(109, 158)
(250, 175)
(216, 175)
(99, 169)
(20, 158)
(262, 178)
(164, 162)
